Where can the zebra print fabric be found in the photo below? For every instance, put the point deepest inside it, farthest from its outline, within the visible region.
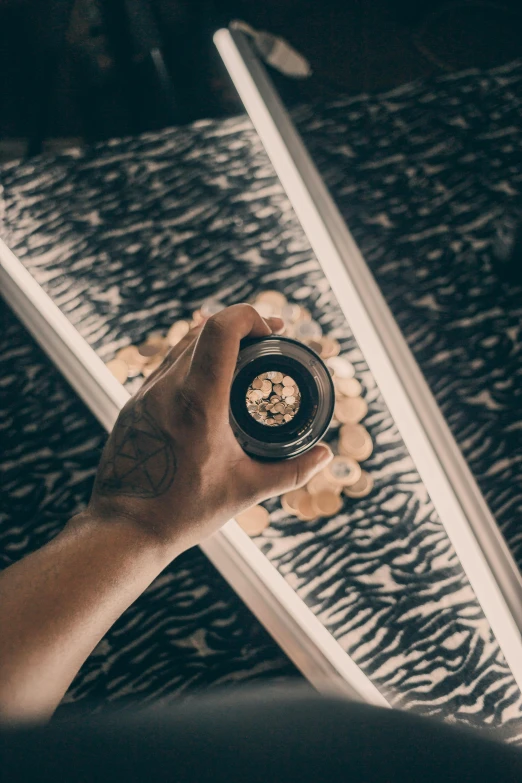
(424, 177)
(132, 234)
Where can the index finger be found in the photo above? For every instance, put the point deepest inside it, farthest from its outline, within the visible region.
(215, 356)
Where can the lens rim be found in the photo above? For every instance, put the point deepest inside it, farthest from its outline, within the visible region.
(317, 398)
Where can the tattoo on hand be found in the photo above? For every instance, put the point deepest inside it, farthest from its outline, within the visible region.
(139, 458)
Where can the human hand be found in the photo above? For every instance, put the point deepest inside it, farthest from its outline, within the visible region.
(172, 465)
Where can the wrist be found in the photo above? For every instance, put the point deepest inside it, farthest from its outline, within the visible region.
(125, 533)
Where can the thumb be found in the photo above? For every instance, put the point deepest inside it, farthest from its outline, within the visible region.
(283, 476)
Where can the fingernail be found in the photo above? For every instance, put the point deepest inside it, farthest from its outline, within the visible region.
(324, 454)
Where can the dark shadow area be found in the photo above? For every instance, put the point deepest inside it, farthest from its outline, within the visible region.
(92, 69)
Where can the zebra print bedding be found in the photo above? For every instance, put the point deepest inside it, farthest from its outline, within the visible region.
(133, 233)
(423, 178)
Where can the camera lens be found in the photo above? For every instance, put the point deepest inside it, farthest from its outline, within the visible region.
(282, 398)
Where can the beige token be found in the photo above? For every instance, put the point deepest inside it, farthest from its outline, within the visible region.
(266, 309)
(304, 314)
(320, 482)
(340, 367)
(361, 488)
(329, 347)
(177, 332)
(119, 369)
(307, 330)
(288, 391)
(148, 350)
(355, 441)
(255, 395)
(350, 410)
(274, 298)
(278, 388)
(131, 356)
(151, 367)
(156, 334)
(211, 307)
(256, 383)
(290, 400)
(133, 359)
(288, 381)
(266, 387)
(290, 500)
(288, 417)
(348, 387)
(343, 470)
(327, 503)
(254, 520)
(305, 508)
(290, 313)
(154, 346)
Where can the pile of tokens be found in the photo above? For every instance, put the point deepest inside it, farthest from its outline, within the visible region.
(268, 402)
(273, 399)
(143, 359)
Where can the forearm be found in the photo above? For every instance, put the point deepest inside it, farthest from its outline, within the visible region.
(172, 447)
(56, 604)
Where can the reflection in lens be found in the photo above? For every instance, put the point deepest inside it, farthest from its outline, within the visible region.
(273, 398)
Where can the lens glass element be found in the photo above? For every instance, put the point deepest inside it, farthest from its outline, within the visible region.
(273, 399)
(282, 398)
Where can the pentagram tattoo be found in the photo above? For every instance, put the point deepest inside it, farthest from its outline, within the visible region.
(139, 458)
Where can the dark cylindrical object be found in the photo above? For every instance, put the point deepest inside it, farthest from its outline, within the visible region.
(317, 398)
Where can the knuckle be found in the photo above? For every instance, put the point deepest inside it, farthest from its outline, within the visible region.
(248, 313)
(214, 328)
(222, 321)
(246, 308)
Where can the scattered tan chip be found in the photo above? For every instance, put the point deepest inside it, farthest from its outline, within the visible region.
(343, 470)
(119, 369)
(327, 503)
(254, 520)
(361, 488)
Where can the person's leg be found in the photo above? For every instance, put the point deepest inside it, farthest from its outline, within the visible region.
(270, 736)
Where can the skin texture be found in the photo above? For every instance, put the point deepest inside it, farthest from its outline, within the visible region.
(171, 474)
